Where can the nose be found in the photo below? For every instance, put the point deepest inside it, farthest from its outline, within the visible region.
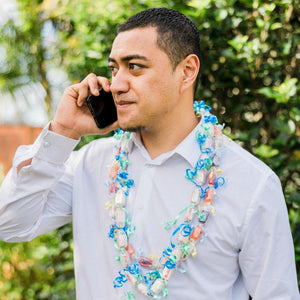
(119, 83)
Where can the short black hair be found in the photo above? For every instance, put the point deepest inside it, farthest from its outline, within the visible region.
(177, 36)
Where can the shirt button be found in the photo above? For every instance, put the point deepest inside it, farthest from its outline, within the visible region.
(46, 144)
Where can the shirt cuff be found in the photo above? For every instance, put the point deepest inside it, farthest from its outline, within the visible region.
(53, 147)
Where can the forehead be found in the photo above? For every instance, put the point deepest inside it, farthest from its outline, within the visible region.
(138, 41)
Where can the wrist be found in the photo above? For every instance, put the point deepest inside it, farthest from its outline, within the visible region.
(62, 130)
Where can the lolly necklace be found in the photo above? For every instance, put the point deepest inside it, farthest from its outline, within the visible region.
(153, 282)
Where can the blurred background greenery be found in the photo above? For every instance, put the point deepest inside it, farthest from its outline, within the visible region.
(249, 75)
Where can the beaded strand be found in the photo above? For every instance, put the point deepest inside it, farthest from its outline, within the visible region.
(153, 282)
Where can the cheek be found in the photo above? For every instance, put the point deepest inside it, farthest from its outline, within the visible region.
(158, 91)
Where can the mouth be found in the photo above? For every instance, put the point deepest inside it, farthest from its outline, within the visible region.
(121, 104)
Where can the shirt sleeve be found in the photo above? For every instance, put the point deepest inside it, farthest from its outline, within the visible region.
(266, 257)
(39, 198)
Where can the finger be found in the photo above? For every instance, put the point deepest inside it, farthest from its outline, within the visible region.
(89, 85)
(93, 84)
(72, 91)
(104, 83)
(97, 82)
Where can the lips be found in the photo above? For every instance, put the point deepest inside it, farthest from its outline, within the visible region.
(123, 103)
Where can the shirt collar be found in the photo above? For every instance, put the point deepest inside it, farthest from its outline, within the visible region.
(188, 148)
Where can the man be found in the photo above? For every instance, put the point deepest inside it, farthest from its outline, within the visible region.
(246, 249)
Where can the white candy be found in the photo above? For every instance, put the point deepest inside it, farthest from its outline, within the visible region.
(182, 239)
(189, 215)
(112, 211)
(142, 287)
(124, 259)
(157, 286)
(125, 144)
(208, 143)
(166, 273)
(120, 198)
(177, 252)
(131, 278)
(121, 239)
(120, 216)
(200, 177)
(195, 196)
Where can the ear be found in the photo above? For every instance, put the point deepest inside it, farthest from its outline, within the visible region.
(190, 70)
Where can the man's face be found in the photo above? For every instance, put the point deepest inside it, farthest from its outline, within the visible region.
(144, 84)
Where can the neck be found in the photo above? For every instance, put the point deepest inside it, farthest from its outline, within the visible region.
(170, 132)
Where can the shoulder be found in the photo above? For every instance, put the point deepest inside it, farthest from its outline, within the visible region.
(248, 179)
(243, 162)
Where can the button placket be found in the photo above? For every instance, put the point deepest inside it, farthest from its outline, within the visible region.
(141, 202)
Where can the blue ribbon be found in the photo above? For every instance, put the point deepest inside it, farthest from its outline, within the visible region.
(211, 119)
(120, 280)
(198, 105)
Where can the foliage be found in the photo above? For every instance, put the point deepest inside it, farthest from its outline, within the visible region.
(249, 74)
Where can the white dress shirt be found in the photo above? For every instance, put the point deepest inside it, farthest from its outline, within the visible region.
(248, 249)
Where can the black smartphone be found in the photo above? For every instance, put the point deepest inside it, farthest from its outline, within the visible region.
(102, 108)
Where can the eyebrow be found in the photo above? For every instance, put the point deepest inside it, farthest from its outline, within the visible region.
(129, 57)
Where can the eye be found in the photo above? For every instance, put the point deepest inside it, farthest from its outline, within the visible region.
(113, 70)
(134, 67)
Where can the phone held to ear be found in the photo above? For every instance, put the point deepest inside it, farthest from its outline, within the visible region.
(102, 108)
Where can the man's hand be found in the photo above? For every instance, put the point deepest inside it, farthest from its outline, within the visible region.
(73, 118)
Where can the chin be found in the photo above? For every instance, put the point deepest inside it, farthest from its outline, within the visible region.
(132, 128)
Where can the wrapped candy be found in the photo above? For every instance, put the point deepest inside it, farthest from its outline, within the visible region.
(211, 178)
(209, 195)
(145, 262)
(121, 238)
(130, 250)
(189, 215)
(177, 253)
(166, 273)
(120, 198)
(195, 196)
(157, 286)
(124, 259)
(120, 217)
(196, 233)
(142, 288)
(113, 173)
(200, 176)
(131, 278)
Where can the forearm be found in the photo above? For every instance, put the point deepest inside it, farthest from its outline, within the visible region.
(28, 197)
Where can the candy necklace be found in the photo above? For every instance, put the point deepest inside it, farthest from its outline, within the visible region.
(150, 276)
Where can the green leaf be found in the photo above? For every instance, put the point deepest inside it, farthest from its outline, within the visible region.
(266, 151)
(275, 26)
(268, 92)
(282, 93)
(287, 47)
(238, 42)
(286, 90)
(199, 4)
(260, 23)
